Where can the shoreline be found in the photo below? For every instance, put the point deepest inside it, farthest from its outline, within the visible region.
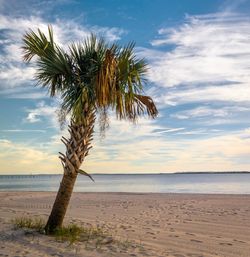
(159, 173)
(132, 193)
(165, 224)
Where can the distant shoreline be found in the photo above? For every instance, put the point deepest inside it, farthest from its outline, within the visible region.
(171, 173)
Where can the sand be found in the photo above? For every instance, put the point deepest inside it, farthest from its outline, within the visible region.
(176, 225)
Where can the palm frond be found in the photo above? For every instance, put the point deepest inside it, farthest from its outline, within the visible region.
(105, 87)
(146, 105)
(37, 44)
(53, 64)
(86, 174)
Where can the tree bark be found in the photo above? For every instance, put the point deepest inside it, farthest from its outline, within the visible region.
(77, 148)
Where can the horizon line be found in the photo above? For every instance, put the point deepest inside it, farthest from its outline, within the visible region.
(159, 173)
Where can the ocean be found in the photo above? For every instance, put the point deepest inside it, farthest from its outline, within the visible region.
(208, 183)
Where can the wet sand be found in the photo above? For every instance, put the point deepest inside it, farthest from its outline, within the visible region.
(178, 225)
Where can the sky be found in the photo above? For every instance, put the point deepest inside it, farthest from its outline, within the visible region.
(199, 77)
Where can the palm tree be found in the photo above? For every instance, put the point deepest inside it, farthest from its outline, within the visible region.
(90, 77)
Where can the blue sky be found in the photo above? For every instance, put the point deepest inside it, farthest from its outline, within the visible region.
(199, 58)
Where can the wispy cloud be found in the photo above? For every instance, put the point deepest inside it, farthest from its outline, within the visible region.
(43, 111)
(24, 130)
(169, 130)
(170, 155)
(20, 158)
(138, 149)
(209, 60)
(14, 74)
(208, 111)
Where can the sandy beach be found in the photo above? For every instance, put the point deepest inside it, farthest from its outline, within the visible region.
(156, 224)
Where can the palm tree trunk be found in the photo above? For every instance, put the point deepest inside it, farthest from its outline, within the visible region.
(77, 149)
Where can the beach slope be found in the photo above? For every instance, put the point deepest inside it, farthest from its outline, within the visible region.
(176, 225)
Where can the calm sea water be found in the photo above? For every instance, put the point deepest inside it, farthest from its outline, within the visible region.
(156, 183)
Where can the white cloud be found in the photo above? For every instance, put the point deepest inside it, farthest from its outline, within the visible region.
(214, 153)
(137, 149)
(209, 62)
(207, 111)
(197, 132)
(24, 130)
(25, 159)
(32, 117)
(169, 130)
(43, 112)
(14, 74)
(237, 93)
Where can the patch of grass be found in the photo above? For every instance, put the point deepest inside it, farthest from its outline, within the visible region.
(71, 233)
(124, 244)
(37, 224)
(74, 233)
(97, 238)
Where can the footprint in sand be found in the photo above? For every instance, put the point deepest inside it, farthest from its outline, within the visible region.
(173, 236)
(151, 233)
(196, 241)
(239, 241)
(190, 234)
(226, 244)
